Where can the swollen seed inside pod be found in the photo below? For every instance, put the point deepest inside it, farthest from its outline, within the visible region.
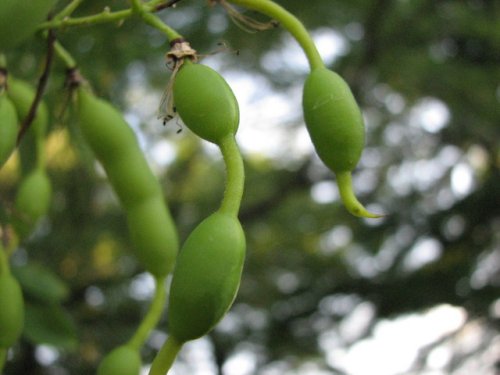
(205, 102)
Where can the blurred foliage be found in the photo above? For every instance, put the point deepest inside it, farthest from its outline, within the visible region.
(309, 263)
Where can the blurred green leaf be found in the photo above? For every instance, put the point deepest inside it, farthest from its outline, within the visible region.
(50, 325)
(41, 283)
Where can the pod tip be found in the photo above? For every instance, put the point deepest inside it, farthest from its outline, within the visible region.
(344, 182)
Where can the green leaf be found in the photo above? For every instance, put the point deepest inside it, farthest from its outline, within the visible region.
(50, 324)
(40, 283)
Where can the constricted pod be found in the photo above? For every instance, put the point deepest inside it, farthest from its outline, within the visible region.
(114, 144)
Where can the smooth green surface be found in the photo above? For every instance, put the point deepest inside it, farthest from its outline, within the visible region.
(153, 232)
(34, 196)
(333, 120)
(205, 102)
(206, 276)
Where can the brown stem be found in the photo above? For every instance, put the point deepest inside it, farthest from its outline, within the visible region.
(42, 84)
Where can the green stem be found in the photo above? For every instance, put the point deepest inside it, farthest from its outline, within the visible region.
(68, 10)
(165, 357)
(154, 21)
(235, 175)
(103, 17)
(344, 182)
(64, 55)
(289, 22)
(62, 19)
(152, 317)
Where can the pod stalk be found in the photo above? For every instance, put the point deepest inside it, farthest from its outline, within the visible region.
(290, 23)
(166, 356)
(152, 317)
(235, 173)
(344, 182)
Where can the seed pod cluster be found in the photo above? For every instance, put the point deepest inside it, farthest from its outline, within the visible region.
(114, 144)
(208, 269)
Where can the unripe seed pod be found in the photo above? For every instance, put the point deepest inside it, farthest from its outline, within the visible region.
(19, 20)
(11, 310)
(336, 128)
(8, 128)
(33, 197)
(206, 276)
(115, 146)
(333, 119)
(205, 102)
(123, 360)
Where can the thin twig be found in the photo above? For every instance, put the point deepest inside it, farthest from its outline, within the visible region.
(168, 4)
(42, 83)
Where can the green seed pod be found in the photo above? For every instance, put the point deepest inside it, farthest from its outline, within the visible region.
(206, 276)
(33, 197)
(115, 146)
(8, 128)
(11, 310)
(205, 102)
(19, 20)
(336, 128)
(333, 120)
(123, 360)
